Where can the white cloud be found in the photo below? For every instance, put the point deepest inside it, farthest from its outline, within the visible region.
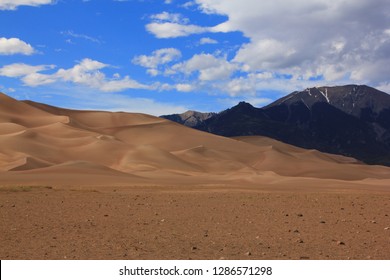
(166, 30)
(188, 4)
(184, 87)
(13, 4)
(157, 60)
(210, 68)
(172, 25)
(264, 54)
(120, 85)
(38, 79)
(158, 57)
(207, 40)
(335, 39)
(15, 46)
(86, 73)
(20, 69)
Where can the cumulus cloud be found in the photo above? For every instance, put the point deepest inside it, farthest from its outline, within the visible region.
(158, 57)
(209, 67)
(164, 30)
(86, 73)
(172, 25)
(335, 39)
(184, 87)
(13, 4)
(13, 46)
(20, 69)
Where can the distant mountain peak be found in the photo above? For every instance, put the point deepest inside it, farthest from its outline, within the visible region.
(243, 105)
(351, 99)
(352, 120)
(189, 118)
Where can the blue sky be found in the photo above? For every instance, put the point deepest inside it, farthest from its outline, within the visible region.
(170, 56)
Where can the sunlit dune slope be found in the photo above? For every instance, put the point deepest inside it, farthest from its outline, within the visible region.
(41, 144)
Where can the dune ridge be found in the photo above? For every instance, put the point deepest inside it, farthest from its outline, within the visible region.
(42, 144)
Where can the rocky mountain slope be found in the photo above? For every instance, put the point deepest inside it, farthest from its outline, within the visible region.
(348, 120)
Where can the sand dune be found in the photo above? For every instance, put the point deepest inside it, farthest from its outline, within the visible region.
(44, 144)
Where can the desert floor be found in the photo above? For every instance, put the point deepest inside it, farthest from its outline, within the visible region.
(192, 223)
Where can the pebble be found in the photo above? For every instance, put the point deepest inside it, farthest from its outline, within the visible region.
(248, 254)
(387, 228)
(340, 243)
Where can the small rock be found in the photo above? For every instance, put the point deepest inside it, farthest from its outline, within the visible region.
(248, 254)
(296, 231)
(322, 222)
(373, 222)
(300, 215)
(194, 248)
(387, 228)
(304, 258)
(340, 243)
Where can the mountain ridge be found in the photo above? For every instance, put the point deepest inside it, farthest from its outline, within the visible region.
(351, 120)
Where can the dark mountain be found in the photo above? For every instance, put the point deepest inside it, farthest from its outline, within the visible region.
(348, 120)
(189, 118)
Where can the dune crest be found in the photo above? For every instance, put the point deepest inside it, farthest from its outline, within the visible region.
(42, 144)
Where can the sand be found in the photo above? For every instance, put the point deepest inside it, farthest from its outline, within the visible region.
(102, 185)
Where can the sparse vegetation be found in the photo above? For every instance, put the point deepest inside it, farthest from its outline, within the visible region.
(22, 188)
